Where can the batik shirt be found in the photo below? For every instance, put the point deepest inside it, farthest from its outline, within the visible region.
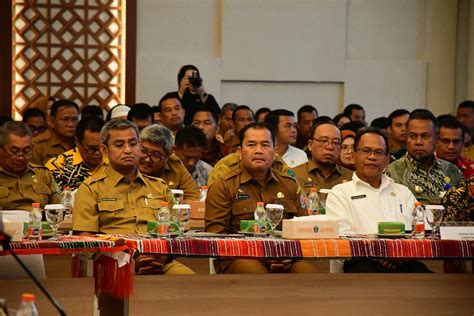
(425, 185)
(201, 173)
(69, 169)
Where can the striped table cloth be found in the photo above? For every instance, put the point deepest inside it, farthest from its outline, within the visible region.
(321, 248)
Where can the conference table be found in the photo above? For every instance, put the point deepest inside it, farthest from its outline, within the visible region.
(113, 268)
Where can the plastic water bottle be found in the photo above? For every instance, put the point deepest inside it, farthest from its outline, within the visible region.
(260, 225)
(35, 230)
(27, 307)
(66, 201)
(203, 195)
(163, 216)
(313, 202)
(418, 222)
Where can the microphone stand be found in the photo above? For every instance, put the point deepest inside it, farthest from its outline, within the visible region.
(5, 242)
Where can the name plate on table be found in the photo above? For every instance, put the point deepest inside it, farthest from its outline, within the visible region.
(457, 232)
(310, 229)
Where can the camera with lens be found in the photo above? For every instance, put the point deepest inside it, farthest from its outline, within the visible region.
(195, 80)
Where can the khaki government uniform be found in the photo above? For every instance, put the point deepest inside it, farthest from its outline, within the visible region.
(309, 175)
(46, 149)
(231, 161)
(109, 203)
(18, 192)
(234, 197)
(176, 176)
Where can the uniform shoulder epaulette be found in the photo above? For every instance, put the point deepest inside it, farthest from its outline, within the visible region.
(232, 173)
(95, 177)
(285, 174)
(157, 179)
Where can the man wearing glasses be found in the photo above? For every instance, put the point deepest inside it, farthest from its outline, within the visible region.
(74, 166)
(157, 160)
(426, 176)
(22, 183)
(63, 120)
(371, 197)
(322, 170)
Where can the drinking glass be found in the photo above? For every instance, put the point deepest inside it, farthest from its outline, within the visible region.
(178, 195)
(181, 214)
(434, 216)
(323, 195)
(54, 216)
(274, 215)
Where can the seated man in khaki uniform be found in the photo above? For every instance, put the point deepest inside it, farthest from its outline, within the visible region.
(233, 198)
(63, 120)
(22, 183)
(157, 160)
(322, 170)
(119, 199)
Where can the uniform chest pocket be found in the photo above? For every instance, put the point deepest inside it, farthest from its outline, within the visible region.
(4, 192)
(41, 188)
(110, 206)
(242, 207)
(151, 204)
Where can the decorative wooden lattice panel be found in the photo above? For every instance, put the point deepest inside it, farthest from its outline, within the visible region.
(68, 49)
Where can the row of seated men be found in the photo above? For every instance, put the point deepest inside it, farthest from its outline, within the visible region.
(135, 160)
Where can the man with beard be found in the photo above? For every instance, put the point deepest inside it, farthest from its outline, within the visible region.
(322, 170)
(425, 175)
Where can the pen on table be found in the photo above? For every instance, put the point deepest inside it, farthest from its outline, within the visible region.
(401, 209)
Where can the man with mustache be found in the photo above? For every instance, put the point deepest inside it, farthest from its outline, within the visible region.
(322, 170)
(369, 198)
(171, 113)
(426, 176)
(234, 197)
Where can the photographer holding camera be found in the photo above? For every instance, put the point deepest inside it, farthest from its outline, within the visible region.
(192, 93)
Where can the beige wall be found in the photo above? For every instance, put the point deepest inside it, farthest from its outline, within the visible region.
(380, 37)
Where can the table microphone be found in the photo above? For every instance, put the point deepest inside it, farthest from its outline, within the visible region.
(5, 243)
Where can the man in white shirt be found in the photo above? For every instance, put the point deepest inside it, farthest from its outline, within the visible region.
(283, 121)
(369, 198)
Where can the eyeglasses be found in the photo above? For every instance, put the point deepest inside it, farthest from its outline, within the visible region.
(18, 155)
(368, 151)
(90, 150)
(37, 129)
(326, 141)
(155, 157)
(447, 141)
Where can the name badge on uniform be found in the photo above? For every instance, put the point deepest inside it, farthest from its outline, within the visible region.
(356, 197)
(242, 196)
(107, 199)
(310, 184)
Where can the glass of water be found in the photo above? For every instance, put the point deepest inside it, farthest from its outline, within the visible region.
(181, 215)
(274, 215)
(54, 216)
(434, 216)
(178, 195)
